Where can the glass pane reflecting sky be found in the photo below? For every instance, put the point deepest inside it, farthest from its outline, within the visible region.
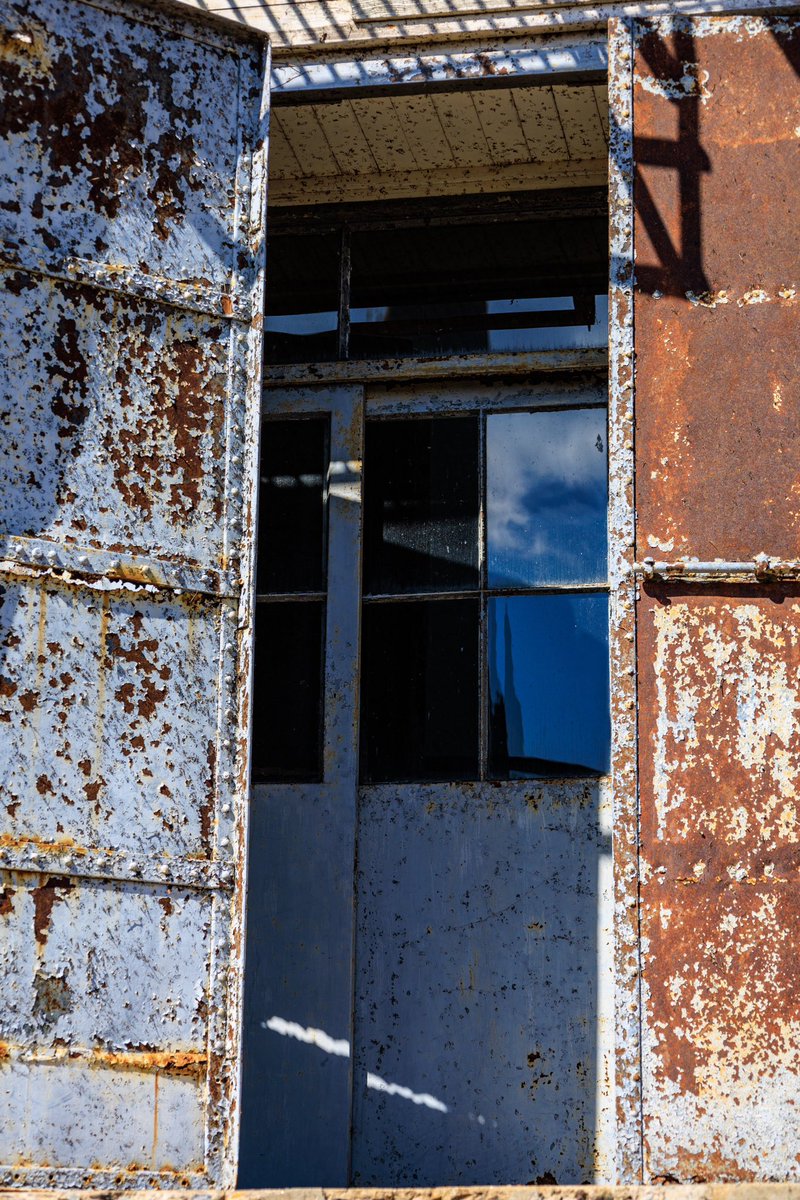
(548, 686)
(546, 498)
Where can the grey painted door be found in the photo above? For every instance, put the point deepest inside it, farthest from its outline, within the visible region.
(429, 964)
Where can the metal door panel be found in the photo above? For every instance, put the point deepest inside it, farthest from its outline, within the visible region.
(704, 167)
(483, 1024)
(716, 303)
(720, 769)
(113, 747)
(125, 158)
(135, 1120)
(124, 421)
(133, 259)
(108, 995)
(85, 1021)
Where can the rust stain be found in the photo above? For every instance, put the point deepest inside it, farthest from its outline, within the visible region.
(207, 806)
(44, 898)
(701, 289)
(6, 901)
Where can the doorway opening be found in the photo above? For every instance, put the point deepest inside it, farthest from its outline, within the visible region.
(428, 980)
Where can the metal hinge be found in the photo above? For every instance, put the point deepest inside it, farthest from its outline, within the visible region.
(762, 568)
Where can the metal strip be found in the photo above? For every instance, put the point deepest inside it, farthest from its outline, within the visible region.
(622, 633)
(291, 81)
(236, 642)
(573, 391)
(187, 295)
(80, 565)
(447, 367)
(78, 862)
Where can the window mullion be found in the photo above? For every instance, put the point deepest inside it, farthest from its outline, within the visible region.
(483, 650)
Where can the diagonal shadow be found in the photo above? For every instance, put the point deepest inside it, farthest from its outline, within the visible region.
(680, 268)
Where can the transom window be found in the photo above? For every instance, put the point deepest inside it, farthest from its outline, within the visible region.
(492, 275)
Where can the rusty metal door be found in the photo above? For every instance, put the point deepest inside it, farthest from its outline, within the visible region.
(131, 217)
(705, 212)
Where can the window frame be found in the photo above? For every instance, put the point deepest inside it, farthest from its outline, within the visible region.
(575, 391)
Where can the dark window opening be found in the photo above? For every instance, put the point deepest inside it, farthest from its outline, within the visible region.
(513, 273)
(291, 590)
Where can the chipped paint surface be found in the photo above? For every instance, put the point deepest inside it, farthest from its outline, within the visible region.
(622, 627)
(131, 220)
(718, 639)
(721, 846)
(717, 269)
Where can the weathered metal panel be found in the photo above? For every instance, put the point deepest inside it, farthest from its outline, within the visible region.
(132, 228)
(483, 1043)
(110, 722)
(116, 159)
(721, 841)
(716, 114)
(83, 1020)
(296, 1098)
(116, 456)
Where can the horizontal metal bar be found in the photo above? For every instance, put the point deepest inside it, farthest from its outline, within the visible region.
(187, 295)
(447, 366)
(546, 589)
(548, 63)
(86, 863)
(761, 568)
(290, 597)
(79, 564)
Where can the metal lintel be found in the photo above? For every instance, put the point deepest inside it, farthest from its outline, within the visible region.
(447, 367)
(582, 60)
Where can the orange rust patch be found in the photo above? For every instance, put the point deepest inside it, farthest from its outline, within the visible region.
(44, 897)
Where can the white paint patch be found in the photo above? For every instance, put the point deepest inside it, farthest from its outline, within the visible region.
(309, 1035)
(341, 1047)
(395, 1089)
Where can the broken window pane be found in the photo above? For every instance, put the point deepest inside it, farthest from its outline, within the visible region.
(421, 501)
(419, 711)
(287, 700)
(302, 298)
(291, 542)
(480, 286)
(546, 497)
(548, 686)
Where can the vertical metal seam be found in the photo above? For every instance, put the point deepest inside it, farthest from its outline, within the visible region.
(343, 332)
(241, 641)
(627, 945)
(483, 630)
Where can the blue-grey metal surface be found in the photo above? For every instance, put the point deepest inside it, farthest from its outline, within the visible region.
(483, 1049)
(132, 227)
(296, 1087)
